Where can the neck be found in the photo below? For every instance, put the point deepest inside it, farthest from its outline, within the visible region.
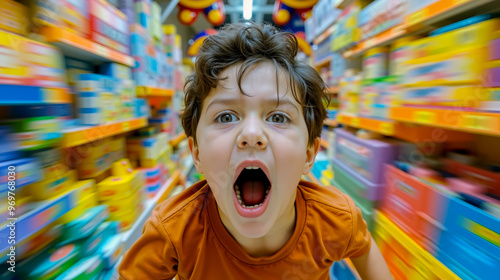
(273, 241)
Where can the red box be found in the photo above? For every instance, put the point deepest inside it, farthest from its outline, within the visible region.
(414, 206)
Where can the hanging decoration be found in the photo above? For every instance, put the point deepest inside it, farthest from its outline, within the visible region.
(284, 10)
(213, 10)
(195, 43)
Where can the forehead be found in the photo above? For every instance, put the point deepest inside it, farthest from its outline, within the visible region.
(260, 79)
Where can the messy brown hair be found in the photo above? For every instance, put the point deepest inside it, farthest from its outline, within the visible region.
(249, 43)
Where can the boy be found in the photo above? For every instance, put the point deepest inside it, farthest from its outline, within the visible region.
(253, 116)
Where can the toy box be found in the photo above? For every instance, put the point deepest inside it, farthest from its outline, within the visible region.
(381, 15)
(102, 233)
(74, 16)
(366, 157)
(14, 17)
(464, 67)
(119, 205)
(494, 47)
(417, 208)
(364, 193)
(36, 133)
(85, 225)
(400, 53)
(108, 26)
(454, 96)
(119, 187)
(52, 262)
(128, 218)
(405, 258)
(26, 172)
(56, 179)
(469, 244)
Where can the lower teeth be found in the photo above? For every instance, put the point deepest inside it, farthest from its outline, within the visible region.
(238, 196)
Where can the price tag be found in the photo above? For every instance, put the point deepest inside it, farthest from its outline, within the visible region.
(424, 117)
(387, 128)
(487, 123)
(355, 122)
(469, 121)
(417, 17)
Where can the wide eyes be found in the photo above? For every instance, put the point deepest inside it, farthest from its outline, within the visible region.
(227, 118)
(277, 118)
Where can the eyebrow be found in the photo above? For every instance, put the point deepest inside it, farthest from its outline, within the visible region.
(233, 101)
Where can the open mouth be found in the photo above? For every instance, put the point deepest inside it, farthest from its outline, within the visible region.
(251, 192)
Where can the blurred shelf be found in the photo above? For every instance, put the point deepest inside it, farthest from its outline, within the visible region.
(453, 118)
(324, 35)
(383, 38)
(86, 134)
(78, 47)
(21, 95)
(324, 144)
(440, 10)
(403, 131)
(325, 61)
(435, 12)
(156, 92)
(177, 139)
(42, 214)
(330, 122)
(130, 236)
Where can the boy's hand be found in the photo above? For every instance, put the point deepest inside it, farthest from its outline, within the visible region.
(372, 264)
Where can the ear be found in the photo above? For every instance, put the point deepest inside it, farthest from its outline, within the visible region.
(311, 153)
(195, 154)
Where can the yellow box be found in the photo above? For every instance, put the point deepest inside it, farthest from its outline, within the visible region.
(121, 167)
(14, 17)
(127, 219)
(85, 203)
(119, 187)
(118, 207)
(470, 37)
(51, 186)
(423, 264)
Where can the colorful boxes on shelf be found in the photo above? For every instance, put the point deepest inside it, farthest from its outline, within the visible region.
(416, 207)
(470, 242)
(366, 157)
(108, 26)
(405, 258)
(14, 17)
(381, 15)
(103, 99)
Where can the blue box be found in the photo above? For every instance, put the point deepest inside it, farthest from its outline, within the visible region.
(470, 243)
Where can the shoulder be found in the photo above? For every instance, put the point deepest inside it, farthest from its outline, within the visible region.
(328, 197)
(186, 210)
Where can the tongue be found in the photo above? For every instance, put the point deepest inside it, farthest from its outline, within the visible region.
(252, 192)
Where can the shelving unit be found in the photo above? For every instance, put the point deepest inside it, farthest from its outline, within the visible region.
(454, 119)
(330, 122)
(86, 134)
(75, 46)
(153, 92)
(383, 38)
(32, 95)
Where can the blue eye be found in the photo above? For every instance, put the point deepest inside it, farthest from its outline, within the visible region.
(278, 118)
(226, 118)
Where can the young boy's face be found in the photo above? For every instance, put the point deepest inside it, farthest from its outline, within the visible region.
(251, 150)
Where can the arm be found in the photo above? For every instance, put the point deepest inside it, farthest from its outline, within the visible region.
(372, 264)
(152, 256)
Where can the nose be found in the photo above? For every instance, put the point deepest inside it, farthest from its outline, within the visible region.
(252, 134)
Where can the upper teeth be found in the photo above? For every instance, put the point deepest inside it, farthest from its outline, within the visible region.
(251, 167)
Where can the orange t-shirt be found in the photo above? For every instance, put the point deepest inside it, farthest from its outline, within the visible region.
(185, 237)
